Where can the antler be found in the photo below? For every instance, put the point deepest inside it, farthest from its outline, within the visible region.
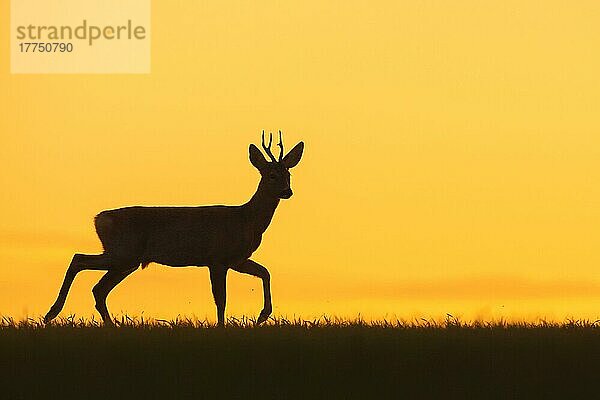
(280, 144)
(268, 149)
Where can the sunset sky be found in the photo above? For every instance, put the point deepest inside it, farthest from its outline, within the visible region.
(452, 160)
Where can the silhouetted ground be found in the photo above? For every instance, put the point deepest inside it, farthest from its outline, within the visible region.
(298, 359)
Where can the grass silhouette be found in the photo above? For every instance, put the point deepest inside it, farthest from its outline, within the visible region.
(322, 358)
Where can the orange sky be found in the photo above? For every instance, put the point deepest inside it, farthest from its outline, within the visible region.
(451, 163)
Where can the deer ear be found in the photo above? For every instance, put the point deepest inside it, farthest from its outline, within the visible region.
(256, 157)
(293, 157)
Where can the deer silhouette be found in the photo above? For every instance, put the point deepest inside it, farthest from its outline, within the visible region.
(218, 237)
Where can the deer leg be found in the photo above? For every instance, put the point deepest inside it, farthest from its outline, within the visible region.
(79, 263)
(218, 281)
(255, 269)
(101, 290)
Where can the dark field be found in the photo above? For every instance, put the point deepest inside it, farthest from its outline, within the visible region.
(299, 359)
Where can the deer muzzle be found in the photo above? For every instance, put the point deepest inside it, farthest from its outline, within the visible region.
(286, 194)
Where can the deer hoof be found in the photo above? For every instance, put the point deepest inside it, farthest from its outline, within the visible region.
(51, 315)
(264, 315)
(108, 323)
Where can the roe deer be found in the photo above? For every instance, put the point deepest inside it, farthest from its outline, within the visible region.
(219, 237)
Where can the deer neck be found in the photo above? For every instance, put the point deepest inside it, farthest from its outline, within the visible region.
(261, 208)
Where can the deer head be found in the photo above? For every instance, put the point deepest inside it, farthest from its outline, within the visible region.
(275, 175)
